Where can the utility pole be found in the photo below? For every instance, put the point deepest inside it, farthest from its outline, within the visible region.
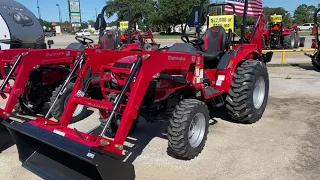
(96, 13)
(59, 12)
(39, 15)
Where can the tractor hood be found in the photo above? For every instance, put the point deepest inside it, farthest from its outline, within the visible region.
(125, 62)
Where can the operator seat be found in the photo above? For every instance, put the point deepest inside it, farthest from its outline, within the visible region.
(215, 44)
(109, 40)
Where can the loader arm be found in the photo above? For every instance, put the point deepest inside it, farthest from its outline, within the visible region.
(31, 60)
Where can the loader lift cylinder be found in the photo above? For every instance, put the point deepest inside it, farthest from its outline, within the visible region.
(135, 68)
(11, 72)
(76, 66)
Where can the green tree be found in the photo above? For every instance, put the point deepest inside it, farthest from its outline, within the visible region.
(141, 9)
(175, 12)
(287, 20)
(84, 25)
(45, 23)
(302, 14)
(91, 23)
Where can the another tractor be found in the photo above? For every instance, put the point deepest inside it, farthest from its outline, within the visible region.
(212, 70)
(278, 36)
(315, 57)
(141, 39)
(46, 81)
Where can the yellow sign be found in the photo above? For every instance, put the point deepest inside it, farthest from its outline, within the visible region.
(226, 21)
(124, 24)
(276, 18)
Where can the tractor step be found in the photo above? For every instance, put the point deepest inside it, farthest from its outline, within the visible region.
(209, 91)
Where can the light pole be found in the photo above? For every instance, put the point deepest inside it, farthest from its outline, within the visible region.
(38, 9)
(59, 12)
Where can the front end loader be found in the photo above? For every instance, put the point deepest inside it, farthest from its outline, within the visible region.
(183, 81)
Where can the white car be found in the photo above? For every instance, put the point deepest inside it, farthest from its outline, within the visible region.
(83, 32)
(306, 26)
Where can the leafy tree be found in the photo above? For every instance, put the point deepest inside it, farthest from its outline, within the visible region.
(84, 25)
(287, 20)
(302, 14)
(141, 9)
(91, 23)
(46, 24)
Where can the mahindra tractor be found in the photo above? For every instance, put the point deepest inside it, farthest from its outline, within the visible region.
(45, 82)
(142, 39)
(45, 79)
(278, 36)
(315, 57)
(183, 81)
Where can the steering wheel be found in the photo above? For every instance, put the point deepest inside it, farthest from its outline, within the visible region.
(197, 42)
(83, 40)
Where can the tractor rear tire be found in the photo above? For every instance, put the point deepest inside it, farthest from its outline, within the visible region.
(188, 129)
(22, 109)
(297, 42)
(58, 109)
(289, 41)
(248, 95)
(147, 47)
(264, 44)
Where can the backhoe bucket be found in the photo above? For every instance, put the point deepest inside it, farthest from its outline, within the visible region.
(52, 156)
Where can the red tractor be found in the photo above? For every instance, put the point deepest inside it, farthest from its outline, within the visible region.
(187, 78)
(315, 57)
(141, 39)
(278, 36)
(45, 82)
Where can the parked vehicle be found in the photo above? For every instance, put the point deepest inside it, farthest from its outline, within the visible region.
(83, 32)
(19, 27)
(306, 26)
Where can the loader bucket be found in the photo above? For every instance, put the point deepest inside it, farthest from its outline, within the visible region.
(5, 138)
(52, 156)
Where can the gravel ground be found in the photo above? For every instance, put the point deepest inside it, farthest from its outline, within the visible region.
(284, 144)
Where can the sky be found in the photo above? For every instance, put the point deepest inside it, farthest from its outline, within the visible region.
(49, 10)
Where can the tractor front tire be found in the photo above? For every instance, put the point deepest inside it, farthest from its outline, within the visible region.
(289, 41)
(59, 107)
(297, 42)
(188, 129)
(22, 109)
(248, 95)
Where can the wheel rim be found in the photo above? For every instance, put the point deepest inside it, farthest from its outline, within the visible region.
(197, 130)
(292, 42)
(78, 110)
(259, 92)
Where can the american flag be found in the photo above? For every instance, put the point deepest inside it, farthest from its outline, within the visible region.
(254, 7)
